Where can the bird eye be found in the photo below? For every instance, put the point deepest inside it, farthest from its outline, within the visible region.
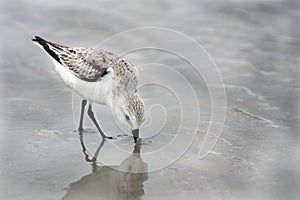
(127, 117)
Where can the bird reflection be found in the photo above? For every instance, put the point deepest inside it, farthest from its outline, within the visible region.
(125, 181)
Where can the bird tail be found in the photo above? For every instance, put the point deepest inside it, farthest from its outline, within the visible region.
(51, 48)
(39, 40)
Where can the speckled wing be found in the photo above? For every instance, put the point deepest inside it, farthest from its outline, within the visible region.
(88, 64)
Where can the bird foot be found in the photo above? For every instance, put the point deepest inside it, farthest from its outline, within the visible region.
(109, 138)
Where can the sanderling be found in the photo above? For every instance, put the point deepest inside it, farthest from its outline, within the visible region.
(102, 77)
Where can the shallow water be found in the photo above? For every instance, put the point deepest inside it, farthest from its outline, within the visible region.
(255, 45)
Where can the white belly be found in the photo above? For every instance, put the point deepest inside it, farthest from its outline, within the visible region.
(98, 92)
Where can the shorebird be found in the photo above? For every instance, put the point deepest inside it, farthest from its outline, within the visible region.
(101, 77)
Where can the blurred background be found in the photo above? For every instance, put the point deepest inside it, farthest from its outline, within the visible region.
(256, 46)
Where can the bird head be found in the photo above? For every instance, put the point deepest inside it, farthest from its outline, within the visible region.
(131, 113)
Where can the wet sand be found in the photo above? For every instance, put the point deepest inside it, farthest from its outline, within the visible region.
(256, 48)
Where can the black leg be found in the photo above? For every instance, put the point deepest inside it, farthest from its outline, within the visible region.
(83, 104)
(91, 114)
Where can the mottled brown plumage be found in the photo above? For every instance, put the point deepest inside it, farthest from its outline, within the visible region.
(100, 76)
